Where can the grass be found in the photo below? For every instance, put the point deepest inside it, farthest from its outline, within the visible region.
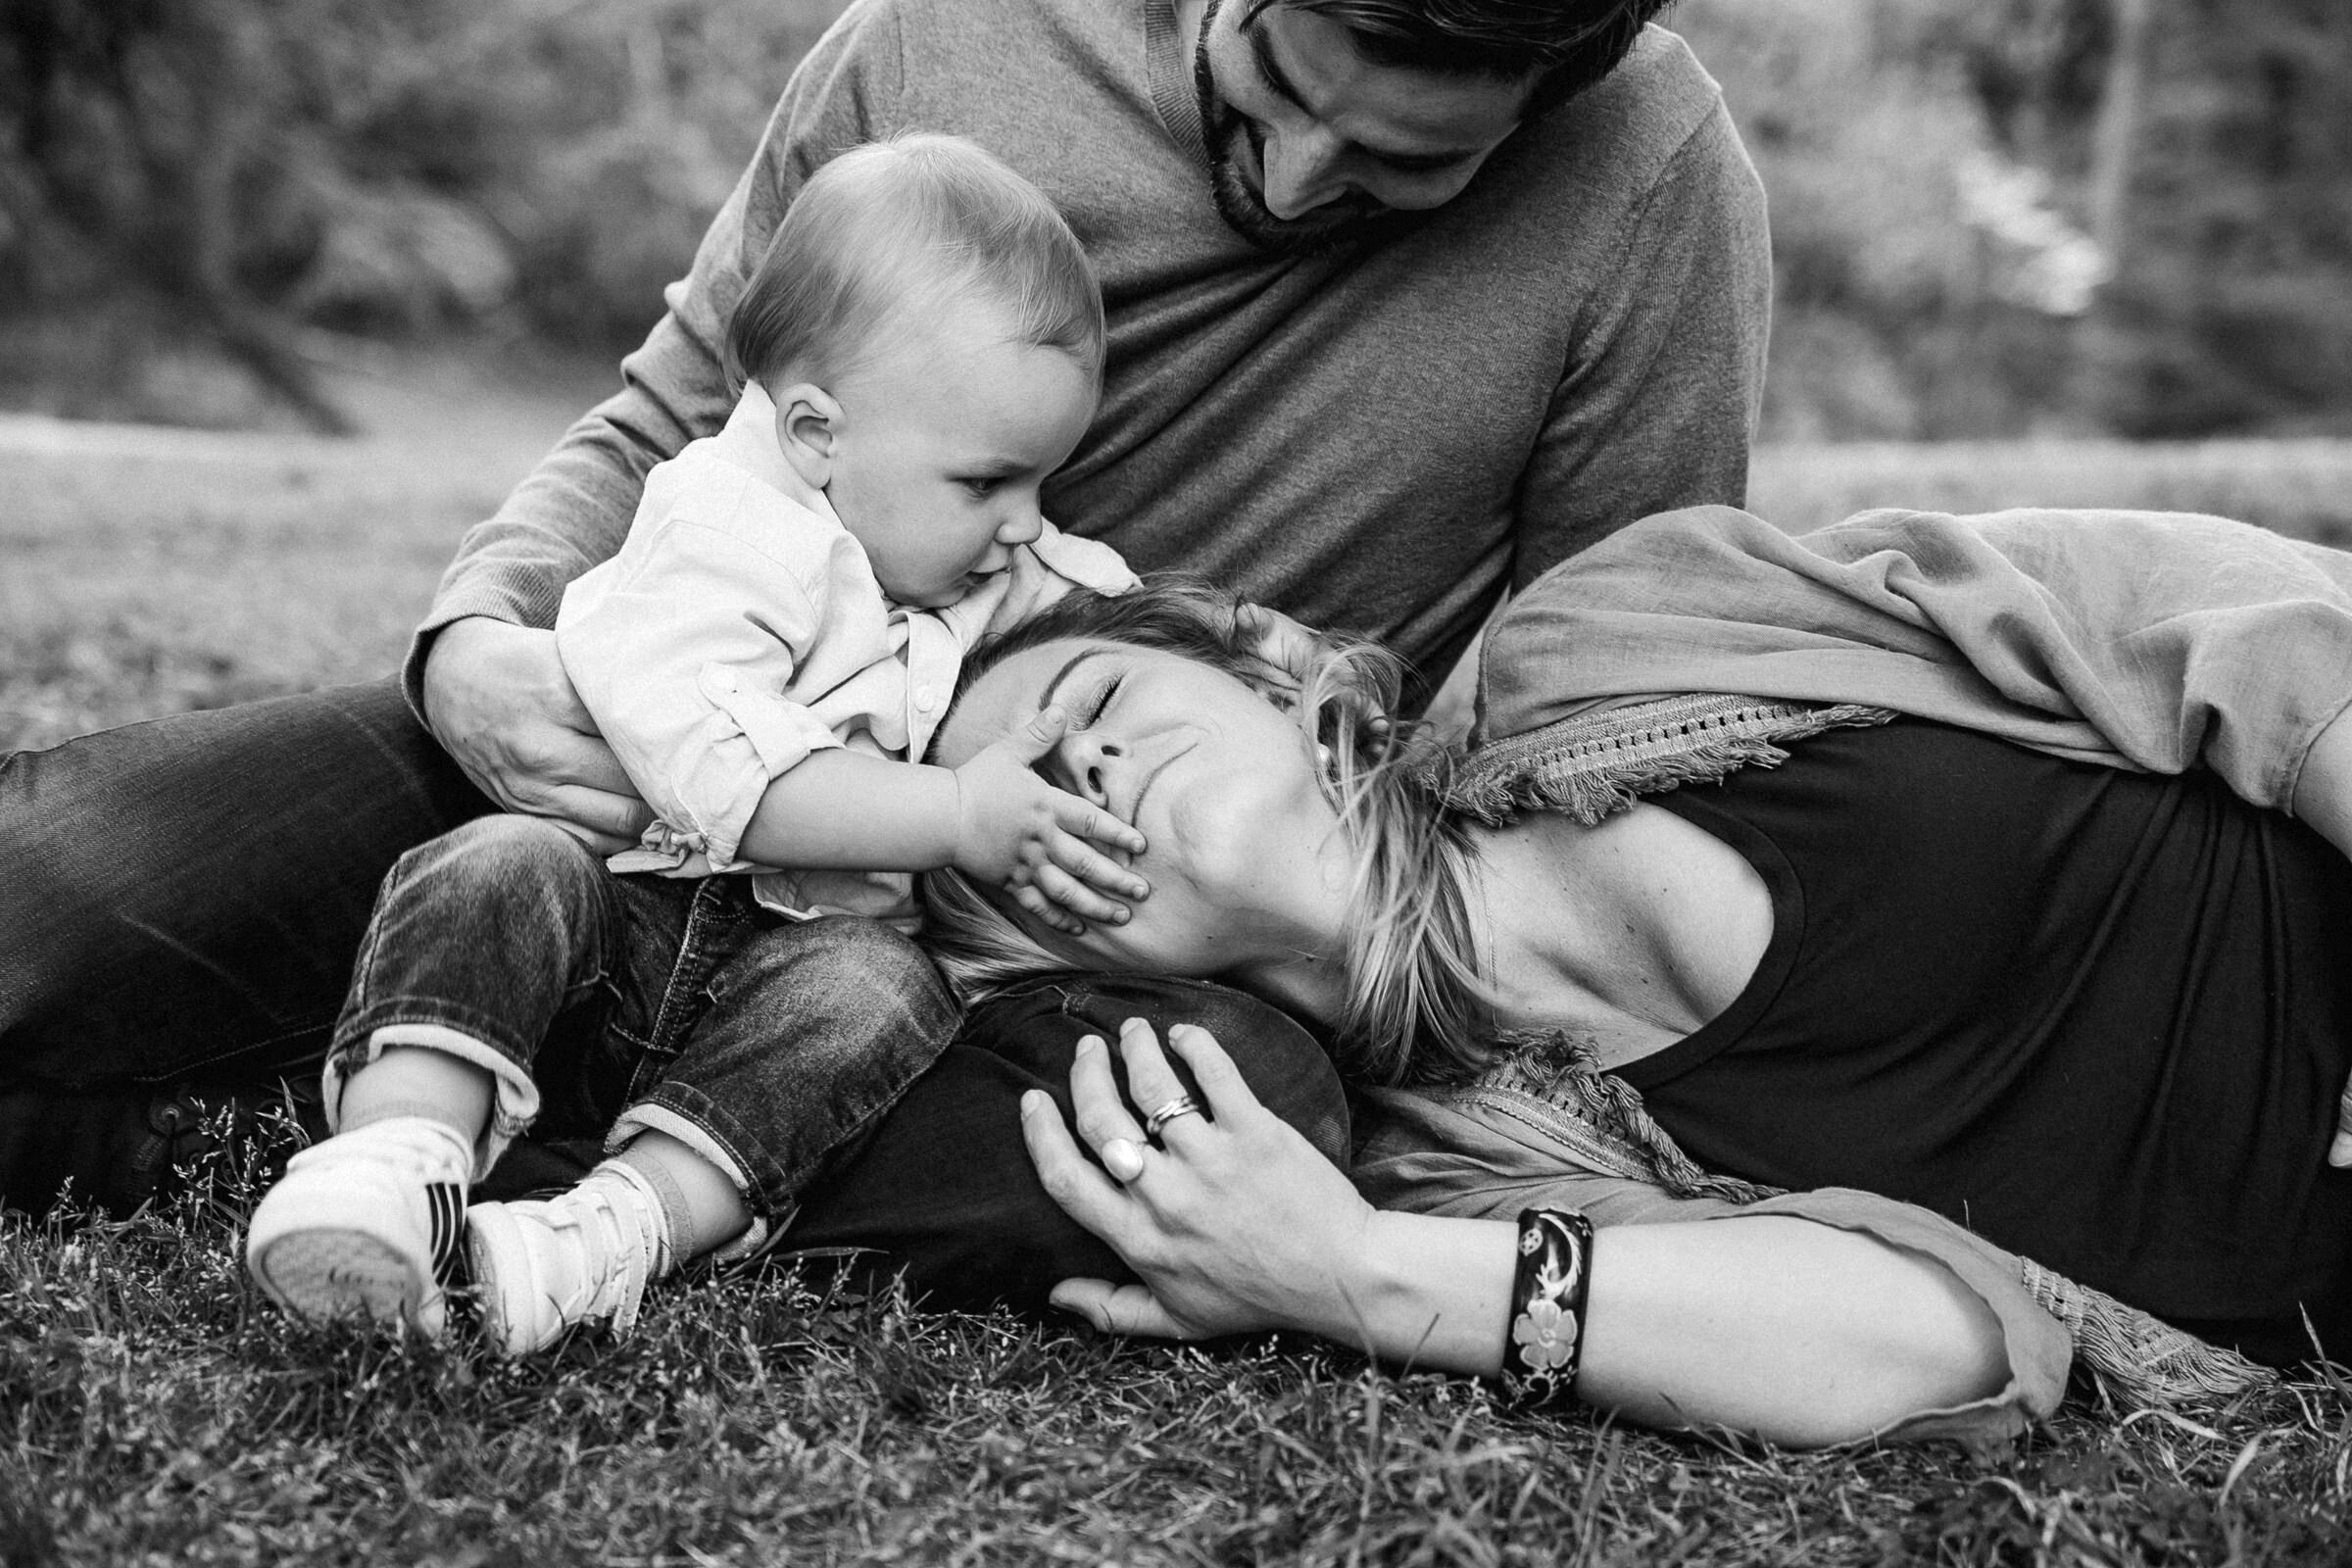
(149, 1413)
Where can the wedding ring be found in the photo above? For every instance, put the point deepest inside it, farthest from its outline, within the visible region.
(1181, 1105)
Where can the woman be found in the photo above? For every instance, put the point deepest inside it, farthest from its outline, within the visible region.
(2017, 931)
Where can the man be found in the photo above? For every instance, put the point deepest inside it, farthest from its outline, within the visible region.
(1421, 329)
(1408, 300)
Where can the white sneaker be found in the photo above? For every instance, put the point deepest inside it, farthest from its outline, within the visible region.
(366, 1224)
(583, 1257)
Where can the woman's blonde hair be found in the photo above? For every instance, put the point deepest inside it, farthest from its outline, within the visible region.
(1416, 1006)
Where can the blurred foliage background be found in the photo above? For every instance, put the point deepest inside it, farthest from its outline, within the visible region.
(1991, 217)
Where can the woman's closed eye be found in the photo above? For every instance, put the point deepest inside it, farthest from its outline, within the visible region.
(1092, 708)
(1087, 711)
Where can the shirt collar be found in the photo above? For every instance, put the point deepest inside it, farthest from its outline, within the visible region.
(749, 442)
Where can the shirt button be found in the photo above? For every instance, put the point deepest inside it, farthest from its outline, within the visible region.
(925, 698)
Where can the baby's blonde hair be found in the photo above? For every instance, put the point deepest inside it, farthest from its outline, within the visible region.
(1416, 1004)
(888, 232)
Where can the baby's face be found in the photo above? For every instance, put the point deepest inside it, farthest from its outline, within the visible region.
(941, 450)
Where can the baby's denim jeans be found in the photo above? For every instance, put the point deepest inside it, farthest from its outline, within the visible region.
(181, 902)
(668, 1003)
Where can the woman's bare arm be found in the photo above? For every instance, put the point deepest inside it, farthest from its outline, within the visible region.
(1798, 1332)
(2324, 801)
(2324, 788)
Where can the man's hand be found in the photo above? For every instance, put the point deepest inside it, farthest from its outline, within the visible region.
(1290, 652)
(499, 701)
(1016, 831)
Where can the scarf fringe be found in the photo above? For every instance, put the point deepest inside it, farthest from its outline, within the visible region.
(1564, 1072)
(1601, 761)
(2136, 1360)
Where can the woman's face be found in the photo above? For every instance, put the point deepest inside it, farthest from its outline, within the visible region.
(1243, 850)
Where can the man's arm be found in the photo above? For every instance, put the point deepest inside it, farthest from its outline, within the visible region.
(496, 698)
(1659, 408)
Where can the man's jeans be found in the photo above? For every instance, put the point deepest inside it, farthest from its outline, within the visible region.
(763, 1044)
(181, 903)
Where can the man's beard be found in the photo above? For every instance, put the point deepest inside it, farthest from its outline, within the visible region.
(1335, 224)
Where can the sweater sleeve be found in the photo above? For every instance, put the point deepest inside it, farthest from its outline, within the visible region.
(573, 510)
(2148, 640)
(1658, 407)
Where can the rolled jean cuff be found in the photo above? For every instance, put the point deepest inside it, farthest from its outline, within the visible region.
(514, 1102)
(649, 1118)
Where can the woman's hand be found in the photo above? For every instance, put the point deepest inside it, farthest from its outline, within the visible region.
(1800, 1332)
(1235, 1223)
(498, 701)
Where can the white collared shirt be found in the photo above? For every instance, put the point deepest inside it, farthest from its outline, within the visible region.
(741, 628)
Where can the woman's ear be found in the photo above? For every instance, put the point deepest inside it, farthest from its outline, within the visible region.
(808, 430)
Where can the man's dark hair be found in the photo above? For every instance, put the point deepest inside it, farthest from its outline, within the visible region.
(1574, 43)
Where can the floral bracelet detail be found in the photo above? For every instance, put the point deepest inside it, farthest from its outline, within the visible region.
(1547, 1304)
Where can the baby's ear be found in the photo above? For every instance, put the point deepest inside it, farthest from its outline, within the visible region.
(808, 430)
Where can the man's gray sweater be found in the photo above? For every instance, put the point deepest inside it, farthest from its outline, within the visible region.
(1379, 437)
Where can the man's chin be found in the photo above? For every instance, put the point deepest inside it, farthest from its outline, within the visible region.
(1327, 227)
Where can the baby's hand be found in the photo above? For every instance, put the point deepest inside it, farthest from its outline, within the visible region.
(1015, 830)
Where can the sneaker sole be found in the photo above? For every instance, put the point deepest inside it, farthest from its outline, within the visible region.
(329, 1274)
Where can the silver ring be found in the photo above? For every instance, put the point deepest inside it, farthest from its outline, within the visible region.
(1181, 1105)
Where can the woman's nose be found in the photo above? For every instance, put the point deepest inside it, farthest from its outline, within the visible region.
(1301, 171)
(1088, 760)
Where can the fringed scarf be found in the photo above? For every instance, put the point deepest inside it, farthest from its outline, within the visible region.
(1601, 761)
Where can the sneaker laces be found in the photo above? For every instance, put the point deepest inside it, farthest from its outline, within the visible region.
(624, 1235)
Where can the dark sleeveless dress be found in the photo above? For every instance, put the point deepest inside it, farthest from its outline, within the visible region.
(2100, 1017)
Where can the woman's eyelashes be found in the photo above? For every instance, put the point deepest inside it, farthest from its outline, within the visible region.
(1055, 768)
(1092, 708)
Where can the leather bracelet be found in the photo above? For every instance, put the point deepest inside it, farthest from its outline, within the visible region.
(1548, 1289)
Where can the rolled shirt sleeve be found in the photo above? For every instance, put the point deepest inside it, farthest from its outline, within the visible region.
(688, 692)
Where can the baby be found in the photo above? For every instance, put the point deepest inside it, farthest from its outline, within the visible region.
(768, 652)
